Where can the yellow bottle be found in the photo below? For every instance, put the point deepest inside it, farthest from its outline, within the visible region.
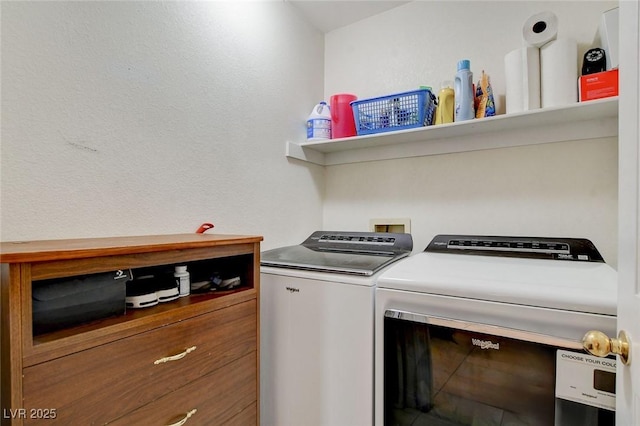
(446, 101)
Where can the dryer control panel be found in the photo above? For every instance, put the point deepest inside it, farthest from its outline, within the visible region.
(576, 249)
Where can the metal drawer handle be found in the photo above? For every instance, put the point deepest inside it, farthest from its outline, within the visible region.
(175, 358)
(184, 420)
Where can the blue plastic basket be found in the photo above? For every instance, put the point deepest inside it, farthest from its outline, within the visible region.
(394, 112)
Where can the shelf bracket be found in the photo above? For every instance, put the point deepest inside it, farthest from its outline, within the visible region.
(294, 150)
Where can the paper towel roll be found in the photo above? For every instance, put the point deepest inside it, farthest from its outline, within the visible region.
(522, 79)
(559, 72)
(540, 29)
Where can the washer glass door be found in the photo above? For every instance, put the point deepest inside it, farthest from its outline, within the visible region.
(449, 372)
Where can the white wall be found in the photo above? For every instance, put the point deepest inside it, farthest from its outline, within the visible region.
(562, 189)
(134, 118)
(130, 118)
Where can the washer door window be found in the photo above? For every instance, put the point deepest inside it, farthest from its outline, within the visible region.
(434, 374)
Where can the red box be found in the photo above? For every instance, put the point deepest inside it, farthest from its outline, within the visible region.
(599, 85)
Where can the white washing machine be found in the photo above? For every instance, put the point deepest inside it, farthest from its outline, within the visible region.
(317, 327)
(488, 330)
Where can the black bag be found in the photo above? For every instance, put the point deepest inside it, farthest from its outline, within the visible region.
(64, 302)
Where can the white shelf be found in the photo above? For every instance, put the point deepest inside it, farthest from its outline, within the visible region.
(586, 120)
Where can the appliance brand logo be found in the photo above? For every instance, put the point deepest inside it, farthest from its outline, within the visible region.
(485, 344)
(293, 290)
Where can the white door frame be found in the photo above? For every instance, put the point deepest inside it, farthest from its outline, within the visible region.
(628, 377)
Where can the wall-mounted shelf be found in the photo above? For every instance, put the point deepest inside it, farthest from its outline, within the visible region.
(586, 120)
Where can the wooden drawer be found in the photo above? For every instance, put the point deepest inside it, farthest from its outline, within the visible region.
(248, 416)
(226, 396)
(104, 383)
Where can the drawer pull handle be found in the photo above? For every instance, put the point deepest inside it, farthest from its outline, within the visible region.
(175, 357)
(184, 420)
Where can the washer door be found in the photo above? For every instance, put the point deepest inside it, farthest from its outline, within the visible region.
(300, 257)
(461, 373)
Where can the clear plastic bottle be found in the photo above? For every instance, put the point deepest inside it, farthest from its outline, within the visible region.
(319, 123)
(464, 96)
(182, 280)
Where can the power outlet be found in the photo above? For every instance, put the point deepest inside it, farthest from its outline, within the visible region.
(401, 225)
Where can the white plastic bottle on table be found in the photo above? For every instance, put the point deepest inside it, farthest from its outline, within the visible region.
(463, 87)
(319, 123)
(182, 280)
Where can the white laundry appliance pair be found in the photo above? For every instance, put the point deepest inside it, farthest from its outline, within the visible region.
(474, 330)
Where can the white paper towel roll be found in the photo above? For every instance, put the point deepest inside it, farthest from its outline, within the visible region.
(522, 79)
(559, 72)
(540, 29)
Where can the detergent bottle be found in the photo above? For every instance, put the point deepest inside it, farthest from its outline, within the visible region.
(446, 101)
(464, 96)
(319, 123)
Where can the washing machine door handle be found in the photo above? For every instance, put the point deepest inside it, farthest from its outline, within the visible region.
(494, 330)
